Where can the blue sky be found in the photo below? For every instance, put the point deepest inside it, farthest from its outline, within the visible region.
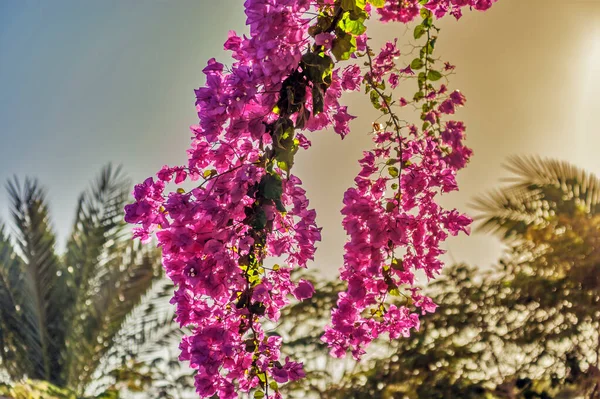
(88, 82)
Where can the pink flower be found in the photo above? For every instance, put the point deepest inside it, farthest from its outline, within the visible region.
(393, 80)
(280, 375)
(304, 290)
(458, 98)
(325, 39)
(342, 119)
(447, 107)
(165, 174)
(407, 71)
(351, 78)
(448, 66)
(294, 369)
(247, 206)
(424, 302)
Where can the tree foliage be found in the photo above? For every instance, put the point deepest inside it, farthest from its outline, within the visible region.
(65, 318)
(526, 329)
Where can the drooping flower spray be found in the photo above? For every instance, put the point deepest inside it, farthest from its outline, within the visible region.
(248, 206)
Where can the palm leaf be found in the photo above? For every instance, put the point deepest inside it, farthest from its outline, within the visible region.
(150, 327)
(43, 285)
(18, 330)
(61, 317)
(147, 333)
(98, 224)
(539, 189)
(121, 288)
(110, 273)
(97, 228)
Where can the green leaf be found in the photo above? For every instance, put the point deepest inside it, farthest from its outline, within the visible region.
(375, 100)
(270, 187)
(259, 394)
(343, 46)
(260, 220)
(354, 26)
(393, 171)
(318, 100)
(431, 45)
(420, 30)
(417, 64)
(279, 205)
(398, 264)
(109, 394)
(285, 157)
(285, 144)
(208, 173)
(292, 94)
(302, 118)
(377, 3)
(317, 66)
(348, 5)
(258, 308)
(425, 13)
(353, 5)
(434, 75)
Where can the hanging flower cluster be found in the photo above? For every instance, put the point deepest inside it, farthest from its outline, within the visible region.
(394, 224)
(407, 10)
(247, 206)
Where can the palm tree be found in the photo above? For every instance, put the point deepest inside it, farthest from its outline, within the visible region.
(539, 190)
(63, 317)
(550, 217)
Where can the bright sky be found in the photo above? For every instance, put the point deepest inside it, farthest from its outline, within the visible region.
(88, 82)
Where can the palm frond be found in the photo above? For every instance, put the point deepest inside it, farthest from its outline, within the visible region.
(150, 326)
(95, 241)
(119, 289)
(42, 283)
(539, 189)
(98, 225)
(60, 317)
(109, 272)
(19, 337)
(148, 334)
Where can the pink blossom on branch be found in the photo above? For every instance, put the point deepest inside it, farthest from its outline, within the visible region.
(248, 206)
(394, 224)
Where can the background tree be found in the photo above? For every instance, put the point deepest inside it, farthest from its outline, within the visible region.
(66, 318)
(550, 215)
(526, 329)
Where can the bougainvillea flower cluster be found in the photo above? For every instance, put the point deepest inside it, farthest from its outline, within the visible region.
(247, 206)
(394, 224)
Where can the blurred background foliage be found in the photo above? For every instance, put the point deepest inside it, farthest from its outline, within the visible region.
(95, 320)
(528, 328)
